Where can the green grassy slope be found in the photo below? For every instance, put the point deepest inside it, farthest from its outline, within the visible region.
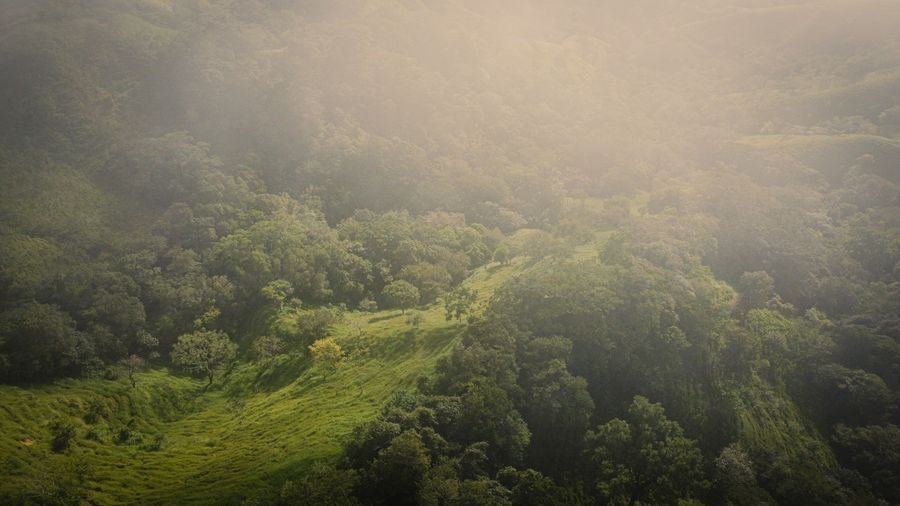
(253, 429)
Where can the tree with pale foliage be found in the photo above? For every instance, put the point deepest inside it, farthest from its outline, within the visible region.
(459, 302)
(502, 254)
(402, 294)
(266, 348)
(328, 354)
(278, 291)
(204, 351)
(132, 364)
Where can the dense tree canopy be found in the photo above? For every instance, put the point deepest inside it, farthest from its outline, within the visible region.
(684, 218)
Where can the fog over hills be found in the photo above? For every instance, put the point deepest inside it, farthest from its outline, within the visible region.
(449, 252)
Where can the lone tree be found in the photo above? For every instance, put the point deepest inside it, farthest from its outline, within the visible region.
(402, 294)
(132, 364)
(328, 353)
(204, 351)
(459, 302)
(502, 254)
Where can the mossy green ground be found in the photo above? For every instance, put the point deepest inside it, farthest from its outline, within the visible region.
(257, 426)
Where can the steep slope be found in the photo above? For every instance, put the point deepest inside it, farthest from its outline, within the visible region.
(244, 436)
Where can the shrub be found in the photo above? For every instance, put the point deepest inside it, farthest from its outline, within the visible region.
(368, 305)
(127, 435)
(63, 433)
(156, 443)
(96, 410)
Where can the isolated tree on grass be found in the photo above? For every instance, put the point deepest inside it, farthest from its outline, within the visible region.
(502, 254)
(402, 294)
(328, 353)
(132, 364)
(414, 318)
(204, 351)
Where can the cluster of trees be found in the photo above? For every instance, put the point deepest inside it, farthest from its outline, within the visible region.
(619, 381)
(169, 174)
(221, 249)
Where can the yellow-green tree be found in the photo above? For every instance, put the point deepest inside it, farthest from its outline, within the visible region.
(204, 351)
(328, 354)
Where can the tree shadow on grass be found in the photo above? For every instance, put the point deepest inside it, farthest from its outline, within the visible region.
(391, 316)
(439, 338)
(492, 269)
(396, 346)
(280, 374)
(403, 344)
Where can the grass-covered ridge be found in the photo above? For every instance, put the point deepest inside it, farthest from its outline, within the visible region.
(242, 437)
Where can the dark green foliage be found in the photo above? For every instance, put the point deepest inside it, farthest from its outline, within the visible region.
(398, 470)
(126, 434)
(531, 488)
(156, 443)
(873, 451)
(487, 414)
(756, 289)
(172, 168)
(558, 408)
(56, 485)
(806, 476)
(62, 434)
(39, 341)
(299, 249)
(96, 410)
(644, 458)
(459, 302)
(735, 477)
(488, 351)
(483, 492)
(853, 397)
(322, 485)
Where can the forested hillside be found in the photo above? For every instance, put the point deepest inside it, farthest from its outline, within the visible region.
(449, 252)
